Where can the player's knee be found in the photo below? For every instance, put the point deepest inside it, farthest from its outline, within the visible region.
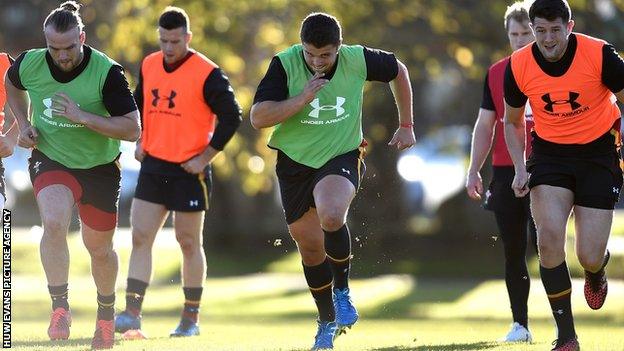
(332, 220)
(589, 261)
(54, 227)
(188, 245)
(141, 239)
(100, 252)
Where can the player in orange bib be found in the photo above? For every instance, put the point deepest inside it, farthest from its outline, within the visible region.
(572, 82)
(189, 114)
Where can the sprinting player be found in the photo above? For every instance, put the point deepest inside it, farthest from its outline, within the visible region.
(189, 114)
(571, 82)
(312, 94)
(513, 215)
(81, 108)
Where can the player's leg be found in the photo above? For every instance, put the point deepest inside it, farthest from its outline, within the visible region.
(55, 204)
(188, 230)
(593, 227)
(333, 193)
(551, 208)
(513, 229)
(307, 233)
(146, 219)
(104, 268)
(56, 191)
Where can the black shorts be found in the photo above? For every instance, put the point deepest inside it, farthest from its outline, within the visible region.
(95, 190)
(297, 181)
(591, 171)
(500, 197)
(166, 183)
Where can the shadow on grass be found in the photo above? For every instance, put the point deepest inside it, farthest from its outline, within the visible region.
(482, 345)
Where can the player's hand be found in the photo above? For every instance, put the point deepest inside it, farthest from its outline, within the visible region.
(64, 106)
(316, 83)
(474, 186)
(6, 148)
(520, 184)
(139, 153)
(403, 138)
(28, 137)
(195, 165)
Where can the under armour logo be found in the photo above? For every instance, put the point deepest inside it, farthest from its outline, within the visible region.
(316, 105)
(346, 171)
(616, 190)
(48, 104)
(157, 97)
(559, 312)
(194, 203)
(36, 166)
(550, 103)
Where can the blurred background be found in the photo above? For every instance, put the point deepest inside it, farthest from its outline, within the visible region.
(411, 214)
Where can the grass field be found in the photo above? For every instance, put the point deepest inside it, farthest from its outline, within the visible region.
(273, 311)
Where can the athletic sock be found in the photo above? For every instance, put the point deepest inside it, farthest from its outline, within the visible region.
(338, 249)
(59, 295)
(106, 307)
(558, 287)
(319, 280)
(135, 292)
(192, 301)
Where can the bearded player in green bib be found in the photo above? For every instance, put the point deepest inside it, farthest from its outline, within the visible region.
(81, 108)
(312, 94)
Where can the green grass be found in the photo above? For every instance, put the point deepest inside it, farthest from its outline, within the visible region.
(274, 311)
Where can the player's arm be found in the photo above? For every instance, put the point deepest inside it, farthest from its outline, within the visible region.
(383, 66)
(123, 122)
(9, 134)
(219, 95)
(401, 88)
(272, 104)
(515, 132)
(139, 153)
(18, 102)
(613, 71)
(482, 136)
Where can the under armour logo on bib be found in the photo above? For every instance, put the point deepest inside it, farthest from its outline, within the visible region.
(157, 98)
(316, 105)
(572, 101)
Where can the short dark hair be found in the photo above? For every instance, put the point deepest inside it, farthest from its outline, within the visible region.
(321, 29)
(518, 12)
(174, 17)
(550, 10)
(65, 17)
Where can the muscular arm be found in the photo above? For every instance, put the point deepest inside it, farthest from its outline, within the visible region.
(401, 88)
(124, 127)
(482, 137)
(402, 91)
(515, 138)
(269, 113)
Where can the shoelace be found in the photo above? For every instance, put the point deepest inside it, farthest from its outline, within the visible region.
(342, 301)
